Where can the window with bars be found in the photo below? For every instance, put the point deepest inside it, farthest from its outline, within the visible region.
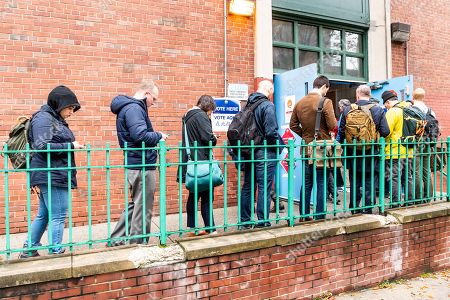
(339, 52)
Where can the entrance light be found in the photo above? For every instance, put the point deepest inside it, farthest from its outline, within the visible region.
(242, 7)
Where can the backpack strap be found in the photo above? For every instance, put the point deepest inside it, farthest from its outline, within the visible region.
(318, 117)
(252, 108)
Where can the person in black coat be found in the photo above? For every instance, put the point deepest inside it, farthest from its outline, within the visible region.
(361, 166)
(49, 130)
(199, 129)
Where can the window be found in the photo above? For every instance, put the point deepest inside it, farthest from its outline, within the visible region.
(339, 52)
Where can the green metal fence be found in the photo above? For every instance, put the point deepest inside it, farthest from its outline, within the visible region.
(380, 174)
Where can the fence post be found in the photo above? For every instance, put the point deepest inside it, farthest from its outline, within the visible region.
(447, 152)
(162, 192)
(381, 174)
(291, 171)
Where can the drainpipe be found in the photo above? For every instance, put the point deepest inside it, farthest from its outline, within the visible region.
(406, 58)
(225, 51)
(387, 9)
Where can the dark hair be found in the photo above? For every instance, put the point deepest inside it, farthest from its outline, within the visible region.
(206, 103)
(320, 81)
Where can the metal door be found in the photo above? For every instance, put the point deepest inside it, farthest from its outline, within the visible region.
(290, 87)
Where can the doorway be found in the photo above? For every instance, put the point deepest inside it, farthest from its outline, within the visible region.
(342, 90)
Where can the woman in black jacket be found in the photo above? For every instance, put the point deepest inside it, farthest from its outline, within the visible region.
(199, 129)
(49, 127)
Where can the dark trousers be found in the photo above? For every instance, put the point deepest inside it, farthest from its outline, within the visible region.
(399, 177)
(263, 172)
(206, 209)
(320, 191)
(356, 189)
(423, 177)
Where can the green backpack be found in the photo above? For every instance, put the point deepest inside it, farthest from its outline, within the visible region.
(18, 139)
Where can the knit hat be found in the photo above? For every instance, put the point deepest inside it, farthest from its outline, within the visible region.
(387, 95)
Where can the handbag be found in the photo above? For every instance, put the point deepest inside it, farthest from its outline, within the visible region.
(322, 151)
(201, 174)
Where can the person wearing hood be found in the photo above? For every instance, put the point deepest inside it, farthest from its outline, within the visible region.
(303, 121)
(264, 167)
(50, 129)
(134, 128)
(199, 129)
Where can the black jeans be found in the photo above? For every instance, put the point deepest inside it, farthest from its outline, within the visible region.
(356, 187)
(206, 209)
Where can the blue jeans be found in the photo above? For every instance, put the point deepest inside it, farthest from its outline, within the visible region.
(263, 181)
(59, 206)
(321, 190)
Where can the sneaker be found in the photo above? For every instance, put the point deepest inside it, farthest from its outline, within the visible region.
(199, 233)
(28, 254)
(59, 252)
(340, 189)
(115, 244)
(213, 233)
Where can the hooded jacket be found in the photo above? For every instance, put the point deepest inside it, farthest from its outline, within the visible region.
(49, 129)
(199, 129)
(134, 128)
(266, 119)
(394, 118)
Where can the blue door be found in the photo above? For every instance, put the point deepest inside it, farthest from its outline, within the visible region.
(402, 85)
(290, 87)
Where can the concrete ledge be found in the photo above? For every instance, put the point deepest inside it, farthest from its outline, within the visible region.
(35, 270)
(227, 244)
(408, 215)
(311, 230)
(362, 223)
(86, 264)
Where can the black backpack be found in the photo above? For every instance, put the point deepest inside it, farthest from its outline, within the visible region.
(18, 139)
(414, 122)
(432, 131)
(243, 128)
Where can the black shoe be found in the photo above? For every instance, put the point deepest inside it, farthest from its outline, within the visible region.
(115, 244)
(263, 225)
(280, 207)
(245, 227)
(28, 254)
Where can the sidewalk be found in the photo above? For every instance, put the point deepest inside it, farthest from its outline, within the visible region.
(427, 286)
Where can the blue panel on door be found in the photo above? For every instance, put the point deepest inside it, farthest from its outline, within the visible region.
(290, 87)
(402, 85)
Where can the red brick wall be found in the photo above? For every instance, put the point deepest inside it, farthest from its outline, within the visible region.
(302, 271)
(102, 48)
(429, 52)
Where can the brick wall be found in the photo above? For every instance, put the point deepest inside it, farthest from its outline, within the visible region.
(102, 48)
(429, 51)
(302, 271)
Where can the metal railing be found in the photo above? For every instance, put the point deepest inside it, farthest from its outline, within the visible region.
(380, 174)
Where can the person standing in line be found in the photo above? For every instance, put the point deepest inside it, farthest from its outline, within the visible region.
(360, 168)
(197, 123)
(423, 172)
(398, 157)
(265, 159)
(134, 128)
(303, 121)
(49, 127)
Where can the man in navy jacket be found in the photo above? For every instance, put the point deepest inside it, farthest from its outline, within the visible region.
(363, 168)
(135, 129)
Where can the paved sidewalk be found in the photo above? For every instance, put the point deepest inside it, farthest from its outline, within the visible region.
(427, 286)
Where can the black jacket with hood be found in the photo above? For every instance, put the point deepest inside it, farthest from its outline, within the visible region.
(49, 128)
(134, 127)
(199, 129)
(266, 119)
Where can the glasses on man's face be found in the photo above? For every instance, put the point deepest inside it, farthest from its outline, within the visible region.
(153, 97)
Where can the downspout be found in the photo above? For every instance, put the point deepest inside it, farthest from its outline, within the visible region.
(225, 52)
(387, 9)
(406, 58)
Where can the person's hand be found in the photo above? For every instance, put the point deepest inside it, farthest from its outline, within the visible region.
(163, 136)
(77, 145)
